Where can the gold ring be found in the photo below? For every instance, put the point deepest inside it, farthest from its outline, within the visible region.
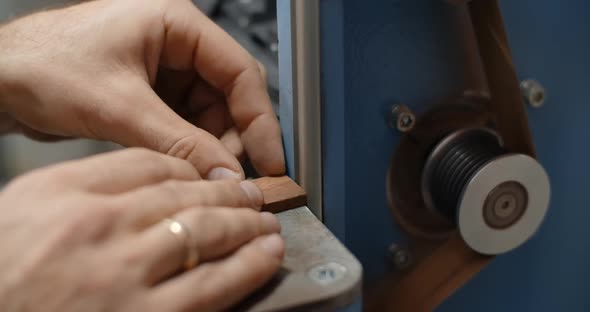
(180, 230)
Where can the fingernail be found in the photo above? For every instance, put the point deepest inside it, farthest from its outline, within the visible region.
(273, 245)
(221, 173)
(253, 192)
(271, 223)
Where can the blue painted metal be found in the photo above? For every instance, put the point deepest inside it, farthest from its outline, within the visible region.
(549, 42)
(375, 53)
(355, 307)
(333, 124)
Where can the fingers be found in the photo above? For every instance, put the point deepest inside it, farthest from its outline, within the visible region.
(223, 283)
(172, 86)
(156, 126)
(194, 40)
(231, 140)
(150, 204)
(121, 171)
(212, 119)
(212, 116)
(212, 233)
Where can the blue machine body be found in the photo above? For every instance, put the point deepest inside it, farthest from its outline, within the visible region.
(376, 53)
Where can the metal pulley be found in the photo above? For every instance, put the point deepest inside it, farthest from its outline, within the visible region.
(497, 199)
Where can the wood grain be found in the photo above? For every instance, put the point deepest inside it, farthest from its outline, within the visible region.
(280, 193)
(507, 102)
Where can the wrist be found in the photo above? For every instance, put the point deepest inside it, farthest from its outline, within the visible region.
(9, 64)
(3, 66)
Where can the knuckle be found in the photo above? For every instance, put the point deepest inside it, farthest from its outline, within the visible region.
(262, 70)
(192, 149)
(252, 63)
(255, 223)
(142, 154)
(134, 258)
(256, 68)
(255, 260)
(184, 147)
(202, 218)
(211, 225)
(236, 225)
(25, 181)
(61, 174)
(171, 190)
(164, 165)
(108, 211)
(183, 166)
(92, 222)
(224, 238)
(98, 282)
(207, 193)
(229, 193)
(56, 175)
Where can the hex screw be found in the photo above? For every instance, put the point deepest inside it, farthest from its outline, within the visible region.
(400, 257)
(533, 92)
(401, 118)
(327, 273)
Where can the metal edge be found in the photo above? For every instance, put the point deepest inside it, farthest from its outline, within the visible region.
(510, 175)
(309, 245)
(305, 45)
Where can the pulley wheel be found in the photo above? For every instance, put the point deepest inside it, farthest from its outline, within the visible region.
(497, 199)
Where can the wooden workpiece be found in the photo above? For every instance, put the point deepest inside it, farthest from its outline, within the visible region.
(280, 194)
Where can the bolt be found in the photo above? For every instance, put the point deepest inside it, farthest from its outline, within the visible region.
(533, 92)
(274, 47)
(327, 273)
(400, 257)
(401, 118)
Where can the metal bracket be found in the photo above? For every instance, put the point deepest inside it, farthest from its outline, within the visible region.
(318, 273)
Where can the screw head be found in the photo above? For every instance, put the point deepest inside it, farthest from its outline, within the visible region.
(400, 257)
(401, 118)
(533, 92)
(327, 273)
(406, 121)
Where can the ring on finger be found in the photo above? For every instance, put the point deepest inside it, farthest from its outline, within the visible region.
(182, 232)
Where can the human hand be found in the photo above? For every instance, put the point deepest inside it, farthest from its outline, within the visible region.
(87, 236)
(158, 75)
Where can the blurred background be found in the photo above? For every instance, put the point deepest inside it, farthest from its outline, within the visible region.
(250, 22)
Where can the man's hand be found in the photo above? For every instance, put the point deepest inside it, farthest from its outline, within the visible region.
(156, 74)
(88, 236)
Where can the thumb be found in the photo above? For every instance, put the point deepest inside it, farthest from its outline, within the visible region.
(142, 119)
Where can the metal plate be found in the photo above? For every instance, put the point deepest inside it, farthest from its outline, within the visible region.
(318, 273)
(549, 43)
(472, 225)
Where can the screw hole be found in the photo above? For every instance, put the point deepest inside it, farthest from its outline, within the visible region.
(538, 97)
(505, 205)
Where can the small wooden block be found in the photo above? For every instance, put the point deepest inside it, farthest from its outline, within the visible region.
(280, 194)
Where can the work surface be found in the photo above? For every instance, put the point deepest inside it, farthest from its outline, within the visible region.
(318, 273)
